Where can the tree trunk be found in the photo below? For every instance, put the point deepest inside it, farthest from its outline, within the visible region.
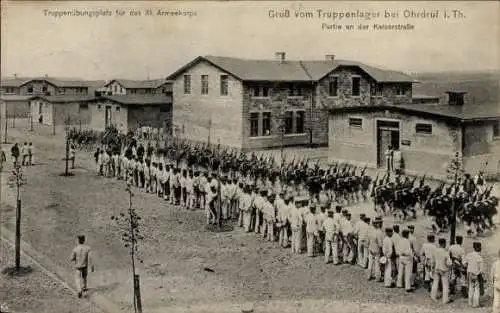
(18, 232)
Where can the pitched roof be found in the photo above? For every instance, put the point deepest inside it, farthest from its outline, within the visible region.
(482, 112)
(58, 82)
(135, 84)
(293, 70)
(64, 98)
(138, 99)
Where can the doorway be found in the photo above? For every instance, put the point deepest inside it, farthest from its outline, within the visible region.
(107, 116)
(387, 135)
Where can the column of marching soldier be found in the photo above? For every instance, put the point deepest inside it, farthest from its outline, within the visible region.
(287, 204)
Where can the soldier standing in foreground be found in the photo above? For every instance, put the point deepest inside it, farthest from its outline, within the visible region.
(80, 256)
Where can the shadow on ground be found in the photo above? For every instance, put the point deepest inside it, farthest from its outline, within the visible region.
(20, 272)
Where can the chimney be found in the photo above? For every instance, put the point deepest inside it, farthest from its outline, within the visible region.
(15, 75)
(329, 57)
(280, 56)
(456, 97)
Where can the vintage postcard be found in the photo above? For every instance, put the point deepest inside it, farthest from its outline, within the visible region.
(249, 156)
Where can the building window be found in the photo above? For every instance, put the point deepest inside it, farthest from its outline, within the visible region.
(333, 85)
(299, 122)
(117, 109)
(165, 109)
(496, 129)
(295, 91)
(98, 106)
(422, 128)
(261, 92)
(356, 82)
(30, 89)
(379, 90)
(84, 106)
(224, 85)
(133, 91)
(40, 107)
(355, 122)
(204, 84)
(254, 124)
(115, 89)
(187, 84)
(288, 122)
(400, 91)
(266, 123)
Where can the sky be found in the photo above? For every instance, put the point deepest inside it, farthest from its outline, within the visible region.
(34, 43)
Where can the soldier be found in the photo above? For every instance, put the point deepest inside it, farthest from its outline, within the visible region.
(246, 204)
(161, 180)
(196, 189)
(182, 187)
(348, 235)
(153, 173)
(396, 238)
(189, 190)
(405, 266)
(283, 213)
(210, 208)
(337, 238)
(357, 227)
(311, 229)
(475, 270)
(320, 219)
(479, 182)
(146, 168)
(296, 226)
(495, 281)
(258, 204)
(457, 254)
(375, 241)
(203, 188)
(363, 232)
(269, 216)
(31, 154)
(329, 227)
(24, 154)
(427, 257)
(388, 257)
(441, 271)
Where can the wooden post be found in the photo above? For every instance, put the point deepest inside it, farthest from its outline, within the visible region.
(453, 226)
(18, 234)
(137, 293)
(6, 124)
(53, 120)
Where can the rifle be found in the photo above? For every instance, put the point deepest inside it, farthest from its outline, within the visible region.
(421, 183)
(362, 174)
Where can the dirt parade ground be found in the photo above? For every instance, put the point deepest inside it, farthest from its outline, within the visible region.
(186, 268)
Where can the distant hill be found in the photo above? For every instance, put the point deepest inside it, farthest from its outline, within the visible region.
(482, 87)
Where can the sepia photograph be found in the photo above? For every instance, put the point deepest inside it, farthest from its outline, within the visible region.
(249, 156)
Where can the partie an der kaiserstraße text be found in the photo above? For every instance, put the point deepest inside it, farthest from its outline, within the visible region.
(366, 20)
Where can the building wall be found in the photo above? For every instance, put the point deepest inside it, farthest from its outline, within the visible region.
(389, 95)
(10, 90)
(72, 91)
(41, 108)
(139, 116)
(116, 89)
(368, 95)
(16, 108)
(277, 102)
(193, 112)
(119, 115)
(344, 94)
(426, 153)
(38, 88)
(481, 149)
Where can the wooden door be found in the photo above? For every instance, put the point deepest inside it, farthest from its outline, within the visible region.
(107, 116)
(384, 139)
